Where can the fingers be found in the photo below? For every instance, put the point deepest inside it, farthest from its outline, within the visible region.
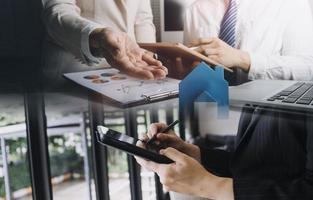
(149, 165)
(203, 47)
(173, 154)
(141, 69)
(145, 138)
(153, 62)
(155, 128)
(150, 53)
(150, 60)
(152, 166)
(129, 58)
(199, 49)
(201, 41)
(211, 51)
(140, 144)
(214, 57)
(163, 137)
(157, 72)
(127, 67)
(160, 71)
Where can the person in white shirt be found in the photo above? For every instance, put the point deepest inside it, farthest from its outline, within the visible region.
(273, 39)
(92, 30)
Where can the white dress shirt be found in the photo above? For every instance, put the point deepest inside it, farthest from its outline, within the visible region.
(70, 22)
(278, 34)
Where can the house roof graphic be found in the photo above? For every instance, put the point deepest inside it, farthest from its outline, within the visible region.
(204, 84)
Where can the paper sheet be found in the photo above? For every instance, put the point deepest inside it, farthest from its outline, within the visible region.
(122, 88)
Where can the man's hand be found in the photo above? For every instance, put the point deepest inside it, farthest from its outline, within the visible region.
(222, 53)
(124, 54)
(187, 176)
(170, 139)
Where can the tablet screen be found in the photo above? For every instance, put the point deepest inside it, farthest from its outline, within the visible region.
(126, 143)
(125, 138)
(121, 137)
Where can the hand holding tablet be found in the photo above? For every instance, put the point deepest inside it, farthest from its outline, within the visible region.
(109, 137)
(178, 50)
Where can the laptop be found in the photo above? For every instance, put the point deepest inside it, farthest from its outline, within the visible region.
(283, 94)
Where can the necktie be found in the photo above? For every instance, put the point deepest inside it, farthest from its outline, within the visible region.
(228, 35)
(228, 25)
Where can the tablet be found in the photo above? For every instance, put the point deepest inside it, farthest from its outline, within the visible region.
(109, 137)
(178, 50)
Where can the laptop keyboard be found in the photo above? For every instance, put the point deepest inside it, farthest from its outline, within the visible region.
(298, 93)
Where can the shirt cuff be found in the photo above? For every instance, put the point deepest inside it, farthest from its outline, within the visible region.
(88, 58)
(258, 67)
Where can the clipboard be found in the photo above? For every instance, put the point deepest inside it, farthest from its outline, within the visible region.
(178, 50)
(124, 91)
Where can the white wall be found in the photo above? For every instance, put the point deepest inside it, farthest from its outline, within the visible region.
(176, 36)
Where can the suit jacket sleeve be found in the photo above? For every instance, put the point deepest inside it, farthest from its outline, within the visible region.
(299, 187)
(216, 161)
(65, 25)
(250, 187)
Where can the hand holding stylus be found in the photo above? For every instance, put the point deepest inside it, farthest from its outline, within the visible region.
(163, 130)
(169, 139)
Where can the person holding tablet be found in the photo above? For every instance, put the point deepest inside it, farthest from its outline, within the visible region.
(272, 155)
(269, 160)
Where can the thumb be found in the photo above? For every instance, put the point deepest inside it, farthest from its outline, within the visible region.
(173, 154)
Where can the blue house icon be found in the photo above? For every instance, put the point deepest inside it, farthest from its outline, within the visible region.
(204, 84)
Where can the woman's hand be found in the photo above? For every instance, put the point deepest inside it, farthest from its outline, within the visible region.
(186, 175)
(170, 139)
(124, 54)
(217, 50)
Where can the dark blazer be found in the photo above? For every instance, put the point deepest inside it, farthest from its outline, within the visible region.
(272, 156)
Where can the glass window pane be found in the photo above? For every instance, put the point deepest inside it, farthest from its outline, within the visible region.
(147, 177)
(14, 166)
(119, 185)
(68, 139)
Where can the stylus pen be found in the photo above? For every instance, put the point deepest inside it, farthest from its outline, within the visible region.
(165, 130)
(194, 48)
